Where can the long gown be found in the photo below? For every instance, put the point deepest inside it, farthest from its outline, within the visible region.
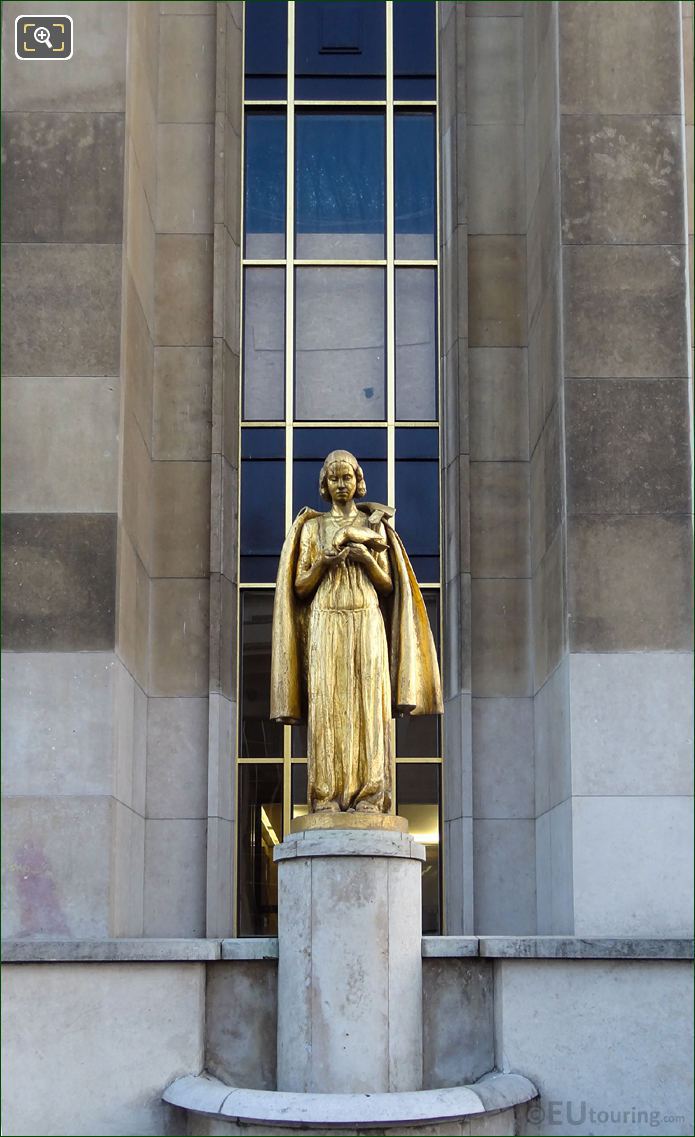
(349, 688)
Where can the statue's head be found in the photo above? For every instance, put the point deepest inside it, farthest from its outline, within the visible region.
(337, 463)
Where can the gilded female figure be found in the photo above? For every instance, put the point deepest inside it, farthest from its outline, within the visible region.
(351, 642)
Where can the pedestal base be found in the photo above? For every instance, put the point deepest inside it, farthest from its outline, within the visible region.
(350, 961)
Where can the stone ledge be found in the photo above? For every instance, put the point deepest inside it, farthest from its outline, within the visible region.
(110, 951)
(449, 947)
(349, 843)
(206, 1095)
(246, 949)
(576, 947)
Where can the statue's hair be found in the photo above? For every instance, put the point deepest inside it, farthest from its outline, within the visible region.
(341, 456)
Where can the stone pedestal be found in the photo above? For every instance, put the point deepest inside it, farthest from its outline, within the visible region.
(350, 966)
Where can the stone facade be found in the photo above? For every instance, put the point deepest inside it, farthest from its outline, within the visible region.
(566, 144)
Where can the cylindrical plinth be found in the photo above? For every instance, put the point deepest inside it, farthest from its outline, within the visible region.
(350, 973)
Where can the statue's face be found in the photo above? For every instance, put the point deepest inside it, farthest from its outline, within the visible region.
(341, 482)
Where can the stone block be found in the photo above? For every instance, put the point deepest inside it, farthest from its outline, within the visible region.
(551, 721)
(689, 174)
(545, 366)
(132, 610)
(688, 91)
(187, 68)
(496, 291)
(57, 723)
(562, 869)
(177, 751)
(494, 58)
(543, 242)
(500, 519)
(495, 157)
(455, 398)
(549, 611)
(641, 849)
(226, 399)
(129, 743)
(500, 639)
(63, 177)
(56, 854)
(60, 444)
(503, 758)
(224, 518)
(179, 637)
(615, 60)
(182, 403)
(456, 506)
(458, 876)
(175, 865)
(136, 488)
(128, 871)
(183, 299)
(233, 56)
(98, 84)
(629, 583)
(185, 156)
(223, 621)
(498, 404)
(622, 180)
(628, 446)
(481, 8)
(59, 581)
(241, 1023)
(546, 487)
(141, 95)
(458, 1044)
(222, 726)
(457, 796)
(505, 877)
(632, 723)
(140, 238)
(456, 668)
(219, 890)
(109, 1079)
(625, 311)
(138, 358)
(180, 519)
(599, 1024)
(43, 287)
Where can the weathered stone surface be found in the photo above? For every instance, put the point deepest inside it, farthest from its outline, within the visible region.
(498, 404)
(183, 290)
(458, 1042)
(63, 177)
(503, 757)
(449, 947)
(138, 358)
(546, 487)
(182, 403)
(140, 237)
(624, 311)
(505, 876)
(618, 60)
(495, 158)
(187, 68)
(500, 637)
(98, 84)
(555, 871)
(545, 367)
(549, 611)
(175, 878)
(241, 1023)
(628, 446)
(500, 519)
(629, 583)
(60, 444)
(177, 737)
(179, 637)
(59, 581)
(622, 179)
(494, 80)
(180, 519)
(551, 732)
(122, 950)
(496, 292)
(43, 287)
(576, 947)
(185, 165)
(133, 609)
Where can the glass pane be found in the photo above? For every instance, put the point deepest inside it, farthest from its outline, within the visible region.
(260, 830)
(417, 799)
(340, 351)
(415, 186)
(339, 174)
(311, 445)
(299, 741)
(262, 523)
(416, 343)
(417, 736)
(340, 50)
(264, 343)
(266, 173)
(300, 792)
(417, 493)
(266, 50)
(414, 50)
(259, 736)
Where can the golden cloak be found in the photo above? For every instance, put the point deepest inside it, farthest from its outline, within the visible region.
(415, 681)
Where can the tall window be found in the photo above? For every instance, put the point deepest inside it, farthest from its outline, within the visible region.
(340, 350)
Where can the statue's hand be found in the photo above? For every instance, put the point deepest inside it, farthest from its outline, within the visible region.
(358, 553)
(330, 557)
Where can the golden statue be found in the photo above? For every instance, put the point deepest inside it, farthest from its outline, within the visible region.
(352, 644)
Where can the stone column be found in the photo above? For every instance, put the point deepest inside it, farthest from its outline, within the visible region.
(350, 973)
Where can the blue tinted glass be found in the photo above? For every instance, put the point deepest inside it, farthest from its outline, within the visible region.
(415, 88)
(413, 42)
(266, 50)
(263, 442)
(264, 344)
(340, 50)
(417, 442)
(416, 343)
(417, 502)
(258, 570)
(262, 508)
(425, 569)
(317, 442)
(264, 207)
(260, 738)
(415, 186)
(339, 174)
(306, 481)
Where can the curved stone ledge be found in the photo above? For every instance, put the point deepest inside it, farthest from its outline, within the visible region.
(349, 843)
(206, 1095)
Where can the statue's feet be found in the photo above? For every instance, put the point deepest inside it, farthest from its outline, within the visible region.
(327, 807)
(367, 807)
